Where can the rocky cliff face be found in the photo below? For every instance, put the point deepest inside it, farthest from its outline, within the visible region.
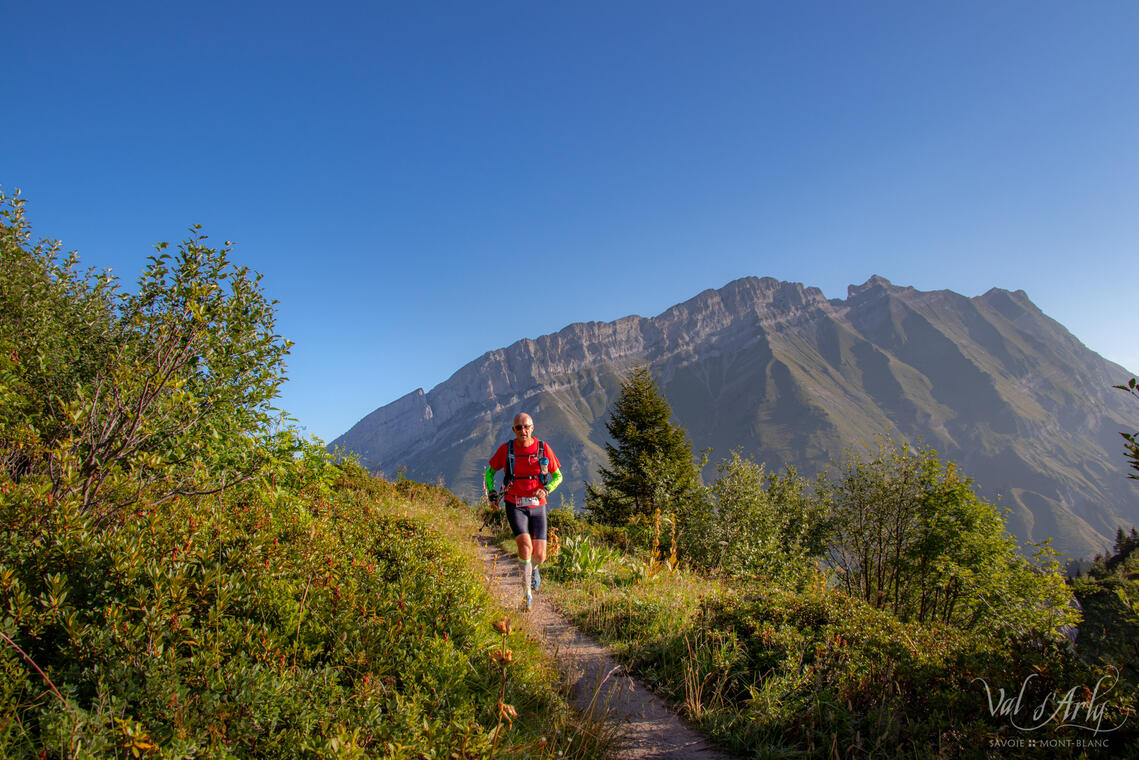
(776, 369)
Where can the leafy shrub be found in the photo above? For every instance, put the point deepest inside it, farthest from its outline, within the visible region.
(909, 534)
(1109, 599)
(57, 332)
(751, 524)
(179, 578)
(578, 558)
(614, 536)
(118, 397)
(566, 521)
(1131, 439)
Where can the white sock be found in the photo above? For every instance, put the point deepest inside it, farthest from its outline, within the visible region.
(527, 575)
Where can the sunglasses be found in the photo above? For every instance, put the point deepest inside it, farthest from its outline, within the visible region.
(523, 427)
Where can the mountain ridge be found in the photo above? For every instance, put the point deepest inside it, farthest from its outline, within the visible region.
(791, 377)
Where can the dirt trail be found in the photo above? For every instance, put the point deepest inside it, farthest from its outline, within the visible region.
(650, 728)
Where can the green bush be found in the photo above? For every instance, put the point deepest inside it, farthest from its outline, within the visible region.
(754, 525)
(58, 330)
(114, 398)
(617, 537)
(579, 558)
(909, 534)
(181, 578)
(565, 521)
(1109, 598)
(1131, 439)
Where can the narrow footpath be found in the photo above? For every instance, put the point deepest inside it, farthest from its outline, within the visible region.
(600, 684)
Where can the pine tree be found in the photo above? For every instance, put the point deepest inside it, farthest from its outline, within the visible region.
(650, 459)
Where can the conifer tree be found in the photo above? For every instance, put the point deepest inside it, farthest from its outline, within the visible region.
(650, 459)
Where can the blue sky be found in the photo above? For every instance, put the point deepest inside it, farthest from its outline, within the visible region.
(423, 182)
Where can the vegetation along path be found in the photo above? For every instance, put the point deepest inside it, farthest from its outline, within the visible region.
(600, 685)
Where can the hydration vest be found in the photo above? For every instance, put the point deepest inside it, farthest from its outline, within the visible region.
(508, 478)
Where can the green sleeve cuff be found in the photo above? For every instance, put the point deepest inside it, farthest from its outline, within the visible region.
(488, 477)
(555, 481)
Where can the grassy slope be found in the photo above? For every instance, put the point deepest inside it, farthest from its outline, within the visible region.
(321, 618)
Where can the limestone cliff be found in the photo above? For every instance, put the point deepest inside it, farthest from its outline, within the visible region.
(790, 377)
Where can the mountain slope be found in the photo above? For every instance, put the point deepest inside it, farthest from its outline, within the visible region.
(790, 377)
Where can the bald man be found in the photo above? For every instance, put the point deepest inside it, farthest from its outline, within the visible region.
(533, 472)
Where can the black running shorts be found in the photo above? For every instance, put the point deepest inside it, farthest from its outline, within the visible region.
(531, 520)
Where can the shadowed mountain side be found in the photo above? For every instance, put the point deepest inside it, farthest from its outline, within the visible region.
(777, 370)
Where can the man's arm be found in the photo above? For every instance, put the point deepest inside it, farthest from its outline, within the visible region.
(556, 475)
(555, 481)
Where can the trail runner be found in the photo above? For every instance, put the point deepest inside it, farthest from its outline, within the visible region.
(532, 473)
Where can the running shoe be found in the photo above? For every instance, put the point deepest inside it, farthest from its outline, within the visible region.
(536, 579)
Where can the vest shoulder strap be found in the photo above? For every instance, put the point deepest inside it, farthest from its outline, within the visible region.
(509, 476)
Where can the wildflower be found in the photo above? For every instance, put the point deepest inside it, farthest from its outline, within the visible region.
(502, 626)
(507, 711)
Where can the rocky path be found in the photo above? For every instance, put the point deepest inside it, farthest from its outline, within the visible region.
(600, 684)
